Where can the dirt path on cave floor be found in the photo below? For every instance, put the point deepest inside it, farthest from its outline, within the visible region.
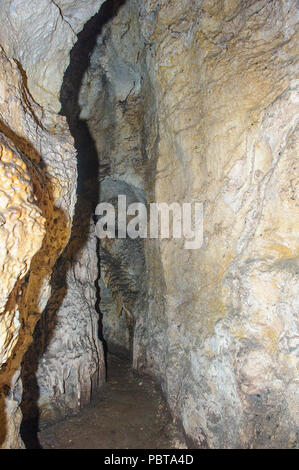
(128, 413)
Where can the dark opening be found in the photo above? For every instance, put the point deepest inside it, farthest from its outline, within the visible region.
(87, 198)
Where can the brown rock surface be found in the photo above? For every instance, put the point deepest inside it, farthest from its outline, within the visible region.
(185, 101)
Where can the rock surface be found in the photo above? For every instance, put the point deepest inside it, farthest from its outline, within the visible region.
(111, 101)
(185, 101)
(65, 364)
(22, 233)
(203, 107)
(219, 334)
(39, 177)
(39, 35)
(45, 191)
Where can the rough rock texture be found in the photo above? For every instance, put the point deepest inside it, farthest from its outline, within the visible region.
(112, 102)
(20, 217)
(44, 153)
(46, 150)
(70, 327)
(185, 101)
(116, 329)
(204, 103)
(40, 179)
(40, 34)
(65, 365)
(122, 263)
(22, 233)
(222, 333)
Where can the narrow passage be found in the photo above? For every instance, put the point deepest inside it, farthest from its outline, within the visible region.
(128, 413)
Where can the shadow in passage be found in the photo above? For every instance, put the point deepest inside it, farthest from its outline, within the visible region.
(88, 158)
(87, 199)
(28, 290)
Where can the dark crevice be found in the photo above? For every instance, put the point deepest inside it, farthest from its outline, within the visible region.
(87, 198)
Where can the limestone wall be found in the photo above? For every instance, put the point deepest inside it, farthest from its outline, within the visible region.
(186, 101)
(210, 92)
(223, 333)
(39, 181)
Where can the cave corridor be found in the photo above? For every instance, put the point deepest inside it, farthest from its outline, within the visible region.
(139, 341)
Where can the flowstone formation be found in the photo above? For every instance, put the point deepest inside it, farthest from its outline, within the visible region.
(197, 102)
(182, 101)
(33, 246)
(65, 366)
(38, 186)
(20, 215)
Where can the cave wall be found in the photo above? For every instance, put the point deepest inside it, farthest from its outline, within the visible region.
(41, 149)
(38, 188)
(65, 364)
(112, 102)
(194, 101)
(202, 107)
(222, 333)
(40, 34)
(20, 215)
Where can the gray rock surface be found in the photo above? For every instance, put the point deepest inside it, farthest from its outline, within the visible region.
(65, 365)
(185, 101)
(40, 34)
(203, 107)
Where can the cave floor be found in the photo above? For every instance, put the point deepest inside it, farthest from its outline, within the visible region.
(127, 413)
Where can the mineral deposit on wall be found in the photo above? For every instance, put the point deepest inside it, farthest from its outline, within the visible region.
(185, 101)
(38, 182)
